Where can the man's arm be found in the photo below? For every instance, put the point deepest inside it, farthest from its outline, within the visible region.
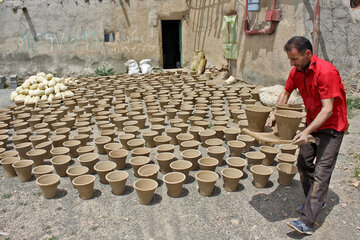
(282, 99)
(324, 114)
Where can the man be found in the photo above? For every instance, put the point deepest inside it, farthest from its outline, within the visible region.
(323, 93)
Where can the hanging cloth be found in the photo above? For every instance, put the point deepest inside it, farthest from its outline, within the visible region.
(229, 33)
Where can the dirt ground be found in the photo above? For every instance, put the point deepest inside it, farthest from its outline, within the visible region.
(248, 213)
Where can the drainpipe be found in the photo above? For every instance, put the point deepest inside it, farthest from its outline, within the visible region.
(271, 16)
(316, 27)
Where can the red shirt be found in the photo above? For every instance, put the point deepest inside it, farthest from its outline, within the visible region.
(320, 81)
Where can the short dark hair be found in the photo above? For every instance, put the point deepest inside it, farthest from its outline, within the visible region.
(300, 43)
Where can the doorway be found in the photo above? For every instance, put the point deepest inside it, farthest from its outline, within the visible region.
(171, 43)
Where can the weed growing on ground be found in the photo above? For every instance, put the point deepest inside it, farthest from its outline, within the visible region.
(3, 210)
(53, 238)
(353, 104)
(103, 70)
(6, 195)
(59, 209)
(357, 172)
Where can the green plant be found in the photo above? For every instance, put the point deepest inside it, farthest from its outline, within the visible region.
(353, 104)
(53, 238)
(104, 70)
(210, 125)
(6, 195)
(59, 208)
(357, 172)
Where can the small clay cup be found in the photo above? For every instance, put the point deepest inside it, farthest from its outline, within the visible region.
(7, 166)
(73, 145)
(250, 141)
(206, 181)
(11, 153)
(63, 131)
(236, 147)
(231, 177)
(173, 132)
(174, 182)
(164, 160)
(101, 142)
(205, 135)
(149, 171)
(37, 155)
(103, 168)
(182, 137)
(214, 142)
(47, 146)
(23, 169)
(286, 158)
(117, 181)
(89, 160)
(118, 156)
(286, 172)
(42, 170)
(219, 131)
(270, 154)
(217, 152)
(261, 175)
(145, 189)
(48, 184)
(193, 156)
(61, 164)
(236, 162)
(208, 163)
(76, 171)
(85, 185)
(83, 138)
(37, 139)
(137, 162)
(254, 158)
(108, 132)
(288, 148)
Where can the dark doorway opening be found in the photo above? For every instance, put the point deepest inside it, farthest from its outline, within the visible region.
(171, 43)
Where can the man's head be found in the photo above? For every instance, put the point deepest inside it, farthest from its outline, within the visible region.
(299, 51)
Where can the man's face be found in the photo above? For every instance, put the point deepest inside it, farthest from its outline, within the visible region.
(299, 60)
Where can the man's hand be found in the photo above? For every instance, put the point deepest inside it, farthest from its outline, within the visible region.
(270, 121)
(301, 138)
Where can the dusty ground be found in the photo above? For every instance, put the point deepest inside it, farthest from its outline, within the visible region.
(248, 213)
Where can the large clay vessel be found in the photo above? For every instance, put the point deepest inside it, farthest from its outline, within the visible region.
(117, 181)
(182, 166)
(257, 116)
(85, 185)
(23, 169)
(145, 189)
(103, 168)
(231, 177)
(48, 184)
(261, 175)
(287, 123)
(286, 173)
(174, 182)
(206, 181)
(270, 154)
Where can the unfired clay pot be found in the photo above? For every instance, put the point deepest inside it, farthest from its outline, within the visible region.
(231, 177)
(208, 163)
(37, 139)
(286, 173)
(85, 149)
(61, 164)
(254, 158)
(164, 160)
(214, 142)
(182, 166)
(217, 152)
(103, 168)
(206, 134)
(236, 162)
(89, 160)
(270, 154)
(85, 185)
(23, 169)
(124, 138)
(149, 171)
(287, 123)
(17, 139)
(37, 155)
(231, 133)
(117, 181)
(286, 158)
(236, 148)
(73, 145)
(48, 184)
(173, 132)
(145, 189)
(119, 157)
(42, 170)
(135, 143)
(206, 181)
(59, 151)
(182, 137)
(288, 148)
(257, 116)
(7, 165)
(261, 175)
(250, 141)
(100, 143)
(137, 162)
(76, 171)
(192, 156)
(165, 148)
(58, 140)
(23, 148)
(192, 144)
(83, 138)
(174, 182)
(159, 140)
(195, 130)
(149, 138)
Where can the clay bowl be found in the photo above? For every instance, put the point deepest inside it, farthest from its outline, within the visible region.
(7, 166)
(159, 140)
(76, 171)
(48, 184)
(17, 139)
(135, 143)
(236, 162)
(117, 181)
(192, 144)
(42, 170)
(270, 153)
(165, 148)
(85, 149)
(59, 151)
(257, 116)
(286, 173)
(231, 177)
(137, 162)
(208, 163)
(206, 181)
(61, 164)
(288, 148)
(23, 169)
(249, 141)
(287, 123)
(112, 146)
(174, 182)
(23, 148)
(192, 156)
(217, 152)
(73, 145)
(119, 157)
(164, 160)
(83, 138)
(103, 168)
(145, 189)
(286, 158)
(58, 140)
(124, 138)
(85, 185)
(101, 142)
(149, 138)
(141, 151)
(37, 155)
(149, 171)
(236, 148)
(205, 135)
(255, 158)
(47, 146)
(261, 175)
(89, 160)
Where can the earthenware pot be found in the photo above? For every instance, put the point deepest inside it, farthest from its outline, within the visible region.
(42, 170)
(124, 138)
(84, 130)
(193, 156)
(141, 151)
(131, 129)
(261, 175)
(23, 148)
(103, 168)
(236, 148)
(257, 116)
(85, 149)
(149, 138)
(61, 164)
(58, 140)
(174, 182)
(293, 107)
(288, 148)
(236, 162)
(214, 142)
(37, 155)
(205, 135)
(286, 158)
(48, 184)
(135, 143)
(231, 177)
(165, 148)
(217, 152)
(37, 139)
(208, 163)
(108, 133)
(159, 140)
(249, 141)
(164, 160)
(73, 145)
(206, 181)
(89, 160)
(145, 189)
(192, 144)
(85, 185)
(158, 128)
(23, 169)
(254, 158)
(101, 142)
(286, 173)
(17, 139)
(287, 123)
(117, 181)
(182, 166)
(137, 162)
(173, 132)
(119, 157)
(231, 133)
(182, 137)
(149, 171)
(83, 138)
(59, 151)
(63, 131)
(7, 166)
(270, 154)
(76, 171)
(194, 130)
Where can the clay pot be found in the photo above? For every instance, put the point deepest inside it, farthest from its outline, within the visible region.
(117, 181)
(217, 152)
(103, 168)
(59, 151)
(145, 189)
(192, 144)
(112, 146)
(164, 160)
(58, 140)
(101, 142)
(137, 162)
(286, 158)
(35, 140)
(149, 138)
(63, 131)
(236, 162)
(149, 171)
(231, 177)
(261, 175)
(131, 129)
(293, 107)
(83, 138)
(48, 184)
(243, 124)
(182, 166)
(231, 133)
(194, 130)
(61, 164)
(17, 139)
(173, 132)
(158, 128)
(141, 119)
(23, 169)
(58, 125)
(141, 151)
(47, 146)
(182, 137)
(76, 171)
(286, 173)
(42, 170)
(174, 182)
(208, 163)
(288, 148)
(135, 143)
(70, 121)
(23, 148)
(89, 160)
(37, 155)
(206, 181)
(85, 185)
(108, 133)
(214, 142)
(119, 157)
(236, 148)
(192, 156)
(85, 149)
(205, 135)
(257, 116)
(73, 145)
(270, 154)
(249, 141)
(84, 130)
(254, 158)
(287, 123)
(165, 148)
(159, 140)
(7, 166)
(124, 138)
